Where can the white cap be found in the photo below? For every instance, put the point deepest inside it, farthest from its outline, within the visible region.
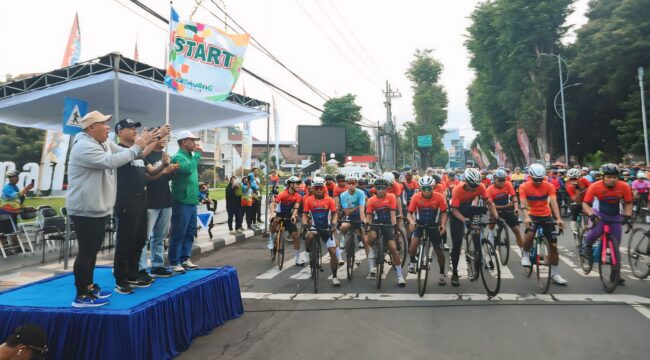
(94, 117)
(186, 134)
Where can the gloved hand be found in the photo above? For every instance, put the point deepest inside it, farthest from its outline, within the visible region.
(594, 218)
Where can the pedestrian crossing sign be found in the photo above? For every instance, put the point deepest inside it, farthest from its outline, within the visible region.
(203, 219)
(73, 111)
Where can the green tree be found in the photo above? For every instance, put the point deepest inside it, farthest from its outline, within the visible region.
(513, 83)
(430, 108)
(608, 50)
(20, 145)
(342, 111)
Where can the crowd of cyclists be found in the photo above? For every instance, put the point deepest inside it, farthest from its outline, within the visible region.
(330, 207)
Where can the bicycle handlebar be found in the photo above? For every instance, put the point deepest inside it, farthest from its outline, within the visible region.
(628, 223)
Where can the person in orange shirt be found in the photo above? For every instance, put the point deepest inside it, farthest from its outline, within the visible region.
(503, 195)
(539, 206)
(461, 208)
(428, 208)
(380, 210)
(274, 179)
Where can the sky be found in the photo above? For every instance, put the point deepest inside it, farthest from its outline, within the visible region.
(340, 47)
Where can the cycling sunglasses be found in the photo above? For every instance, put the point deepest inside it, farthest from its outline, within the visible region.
(426, 188)
(316, 188)
(499, 180)
(538, 180)
(380, 187)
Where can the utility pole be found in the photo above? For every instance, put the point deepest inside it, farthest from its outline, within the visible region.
(645, 126)
(390, 143)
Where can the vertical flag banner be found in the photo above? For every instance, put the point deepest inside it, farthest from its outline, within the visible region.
(73, 49)
(524, 144)
(217, 148)
(204, 62)
(484, 158)
(477, 157)
(276, 124)
(246, 146)
(136, 55)
(500, 154)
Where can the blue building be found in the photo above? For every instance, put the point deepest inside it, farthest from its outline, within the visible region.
(454, 143)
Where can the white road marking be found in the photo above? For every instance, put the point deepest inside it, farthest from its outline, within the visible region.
(289, 262)
(642, 309)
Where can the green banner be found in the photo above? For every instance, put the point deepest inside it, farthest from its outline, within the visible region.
(425, 141)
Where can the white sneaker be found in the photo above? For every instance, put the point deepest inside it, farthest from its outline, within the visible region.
(412, 268)
(189, 265)
(442, 280)
(340, 260)
(373, 273)
(361, 245)
(525, 260)
(269, 243)
(178, 269)
(336, 282)
(400, 281)
(306, 258)
(558, 279)
(299, 263)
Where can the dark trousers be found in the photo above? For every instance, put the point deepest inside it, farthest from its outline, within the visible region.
(131, 214)
(457, 233)
(248, 213)
(257, 210)
(234, 213)
(90, 236)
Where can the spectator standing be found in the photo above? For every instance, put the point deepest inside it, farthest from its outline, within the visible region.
(247, 201)
(26, 342)
(91, 196)
(159, 210)
(233, 204)
(185, 187)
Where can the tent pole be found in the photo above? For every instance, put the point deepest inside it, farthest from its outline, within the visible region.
(116, 87)
(266, 176)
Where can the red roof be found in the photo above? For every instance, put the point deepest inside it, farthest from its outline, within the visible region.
(361, 158)
(238, 137)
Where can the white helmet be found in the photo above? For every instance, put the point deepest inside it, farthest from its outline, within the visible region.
(472, 176)
(318, 181)
(352, 177)
(427, 181)
(573, 173)
(641, 175)
(537, 171)
(388, 177)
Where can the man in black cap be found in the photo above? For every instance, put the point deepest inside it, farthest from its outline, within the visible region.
(131, 213)
(26, 342)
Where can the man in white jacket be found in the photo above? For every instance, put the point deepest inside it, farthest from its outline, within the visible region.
(91, 195)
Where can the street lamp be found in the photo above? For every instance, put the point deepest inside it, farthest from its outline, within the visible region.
(645, 127)
(562, 87)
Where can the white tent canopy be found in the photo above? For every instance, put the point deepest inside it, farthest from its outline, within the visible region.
(37, 102)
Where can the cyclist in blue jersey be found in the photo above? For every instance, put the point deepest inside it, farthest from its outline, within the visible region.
(352, 204)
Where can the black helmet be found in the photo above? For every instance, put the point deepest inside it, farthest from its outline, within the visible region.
(437, 178)
(609, 169)
(308, 182)
(340, 177)
(381, 182)
(329, 177)
(363, 181)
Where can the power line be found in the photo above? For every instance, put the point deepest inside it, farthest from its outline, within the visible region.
(140, 15)
(336, 46)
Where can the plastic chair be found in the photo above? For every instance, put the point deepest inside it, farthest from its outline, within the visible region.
(53, 230)
(27, 227)
(7, 229)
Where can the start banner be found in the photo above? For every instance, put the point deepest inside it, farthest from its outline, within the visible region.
(204, 62)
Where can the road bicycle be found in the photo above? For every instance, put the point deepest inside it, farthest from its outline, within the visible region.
(316, 255)
(350, 242)
(579, 233)
(281, 237)
(381, 251)
(424, 257)
(564, 202)
(539, 258)
(481, 257)
(638, 253)
(502, 240)
(606, 254)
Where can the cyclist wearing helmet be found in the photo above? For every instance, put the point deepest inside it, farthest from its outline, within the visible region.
(353, 203)
(461, 208)
(641, 188)
(410, 187)
(340, 188)
(538, 203)
(395, 188)
(363, 186)
(485, 179)
(441, 185)
(330, 185)
(503, 195)
(286, 205)
(428, 208)
(572, 189)
(381, 210)
(323, 215)
(610, 192)
(556, 180)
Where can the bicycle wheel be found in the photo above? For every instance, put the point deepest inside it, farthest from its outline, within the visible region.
(542, 266)
(274, 251)
(587, 263)
(528, 270)
(609, 272)
(502, 242)
(471, 255)
(281, 244)
(423, 264)
(350, 254)
(379, 259)
(638, 253)
(401, 241)
(316, 261)
(490, 269)
(565, 210)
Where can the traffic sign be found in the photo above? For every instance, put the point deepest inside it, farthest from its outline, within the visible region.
(425, 141)
(73, 111)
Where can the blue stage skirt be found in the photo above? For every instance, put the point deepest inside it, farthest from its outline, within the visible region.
(157, 322)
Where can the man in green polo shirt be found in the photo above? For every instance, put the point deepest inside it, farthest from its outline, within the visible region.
(185, 195)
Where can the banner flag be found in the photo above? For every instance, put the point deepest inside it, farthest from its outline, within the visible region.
(500, 154)
(73, 48)
(477, 157)
(246, 146)
(204, 62)
(524, 144)
(136, 54)
(485, 160)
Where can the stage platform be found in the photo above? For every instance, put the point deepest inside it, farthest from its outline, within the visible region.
(157, 322)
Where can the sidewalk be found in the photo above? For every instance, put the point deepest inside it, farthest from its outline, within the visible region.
(31, 272)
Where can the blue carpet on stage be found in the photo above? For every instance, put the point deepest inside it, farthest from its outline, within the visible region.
(157, 322)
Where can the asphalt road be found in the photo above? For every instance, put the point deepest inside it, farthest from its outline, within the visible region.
(284, 320)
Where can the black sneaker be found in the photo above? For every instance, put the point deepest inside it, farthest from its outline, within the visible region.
(454, 280)
(139, 283)
(144, 275)
(124, 289)
(161, 272)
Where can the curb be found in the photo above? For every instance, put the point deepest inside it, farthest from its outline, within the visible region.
(221, 241)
